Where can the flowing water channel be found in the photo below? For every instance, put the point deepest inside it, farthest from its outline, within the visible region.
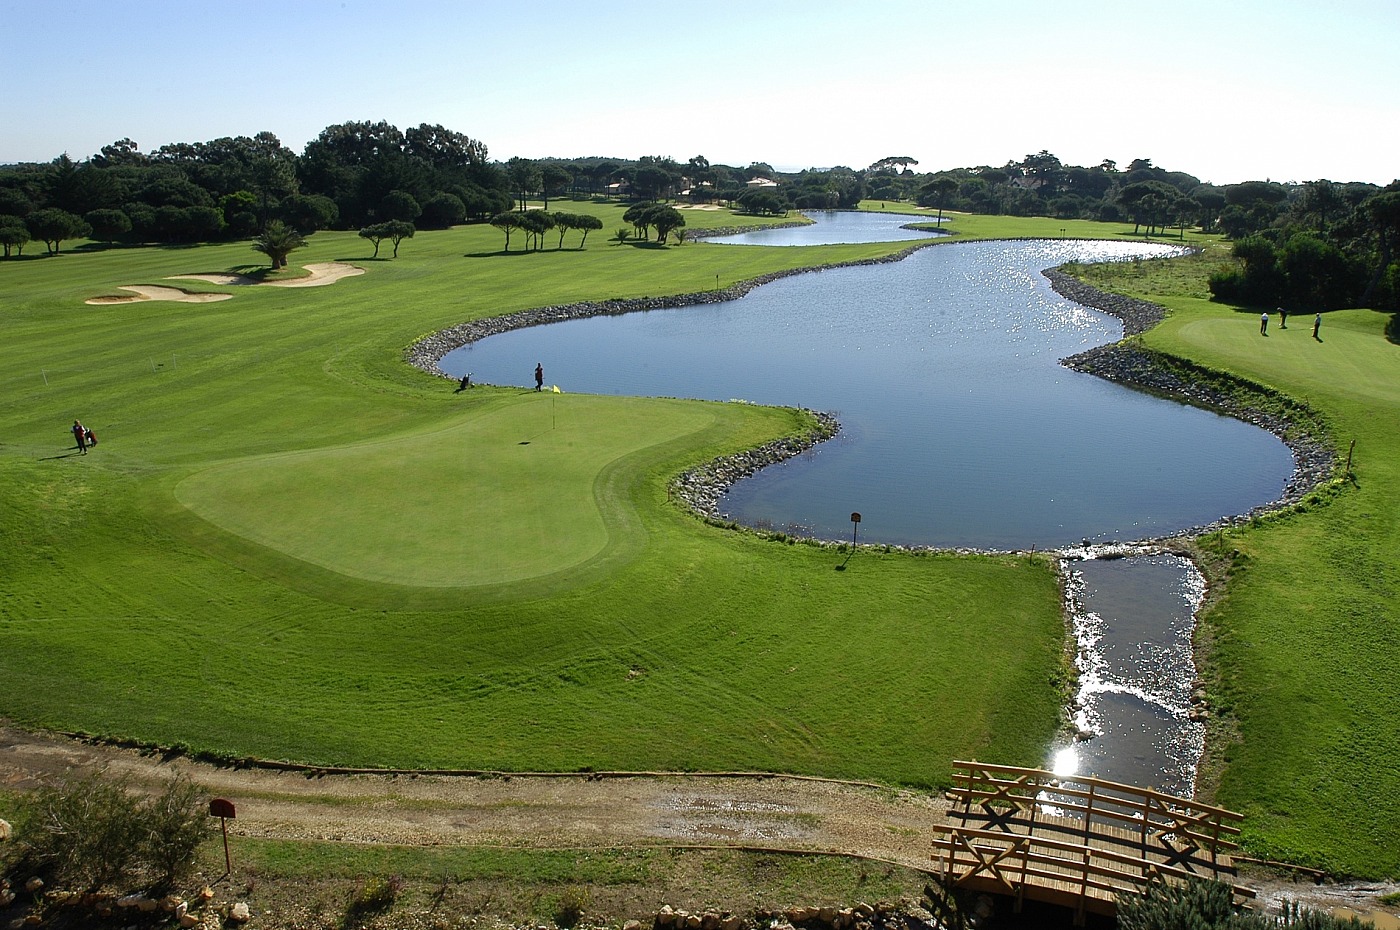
(959, 429)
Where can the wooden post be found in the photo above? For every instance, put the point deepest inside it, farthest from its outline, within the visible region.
(1146, 816)
(1350, 450)
(223, 809)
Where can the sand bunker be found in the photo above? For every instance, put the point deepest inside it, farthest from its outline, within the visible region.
(699, 206)
(152, 292)
(320, 274)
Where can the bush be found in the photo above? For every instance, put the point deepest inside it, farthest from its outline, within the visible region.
(1199, 905)
(572, 904)
(1208, 905)
(1226, 284)
(443, 212)
(93, 831)
(374, 896)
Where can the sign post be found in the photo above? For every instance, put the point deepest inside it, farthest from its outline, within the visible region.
(218, 807)
(855, 532)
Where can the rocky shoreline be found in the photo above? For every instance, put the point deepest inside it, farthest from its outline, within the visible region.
(428, 351)
(1129, 363)
(1123, 362)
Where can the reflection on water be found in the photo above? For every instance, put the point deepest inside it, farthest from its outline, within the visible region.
(959, 426)
(837, 227)
(1133, 620)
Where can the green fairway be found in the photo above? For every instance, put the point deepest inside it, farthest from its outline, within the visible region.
(290, 544)
(503, 495)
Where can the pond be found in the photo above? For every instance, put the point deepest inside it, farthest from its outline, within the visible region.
(960, 429)
(836, 227)
(959, 426)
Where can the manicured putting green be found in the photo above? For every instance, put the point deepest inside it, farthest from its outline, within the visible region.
(505, 493)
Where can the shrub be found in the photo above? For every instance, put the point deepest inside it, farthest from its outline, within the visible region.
(1207, 905)
(1227, 284)
(572, 903)
(443, 212)
(93, 831)
(1199, 905)
(174, 824)
(374, 896)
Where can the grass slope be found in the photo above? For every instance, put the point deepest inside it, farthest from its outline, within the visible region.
(234, 568)
(1307, 638)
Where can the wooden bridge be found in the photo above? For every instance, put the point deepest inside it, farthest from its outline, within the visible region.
(1077, 842)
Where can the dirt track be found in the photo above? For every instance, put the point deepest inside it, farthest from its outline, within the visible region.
(528, 811)
(569, 812)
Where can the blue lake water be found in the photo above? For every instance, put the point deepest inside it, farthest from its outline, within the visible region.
(834, 227)
(959, 426)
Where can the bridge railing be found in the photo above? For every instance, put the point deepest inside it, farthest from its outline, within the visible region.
(1078, 841)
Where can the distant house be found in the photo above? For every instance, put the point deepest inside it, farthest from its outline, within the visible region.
(697, 192)
(760, 183)
(618, 189)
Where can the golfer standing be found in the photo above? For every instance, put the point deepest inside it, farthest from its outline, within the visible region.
(539, 376)
(80, 434)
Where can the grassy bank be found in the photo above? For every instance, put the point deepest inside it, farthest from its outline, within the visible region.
(536, 886)
(289, 544)
(1306, 639)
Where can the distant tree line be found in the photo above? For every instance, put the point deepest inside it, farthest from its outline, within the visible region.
(352, 176)
(1319, 243)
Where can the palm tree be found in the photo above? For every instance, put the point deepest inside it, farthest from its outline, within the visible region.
(276, 241)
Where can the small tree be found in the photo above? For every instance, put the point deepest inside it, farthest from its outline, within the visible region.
(762, 201)
(565, 222)
(621, 236)
(536, 223)
(52, 225)
(937, 192)
(585, 223)
(13, 234)
(277, 241)
(506, 223)
(665, 219)
(398, 231)
(375, 234)
(638, 215)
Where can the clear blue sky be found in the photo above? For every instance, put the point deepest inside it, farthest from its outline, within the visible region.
(1228, 90)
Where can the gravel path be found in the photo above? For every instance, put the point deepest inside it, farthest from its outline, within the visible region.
(520, 811)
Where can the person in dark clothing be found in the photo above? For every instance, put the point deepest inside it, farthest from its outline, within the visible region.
(539, 376)
(1282, 318)
(80, 434)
